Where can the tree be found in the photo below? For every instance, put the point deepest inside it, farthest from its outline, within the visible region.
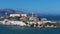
(32, 25)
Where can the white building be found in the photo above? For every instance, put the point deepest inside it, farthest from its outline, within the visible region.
(25, 15)
(14, 15)
(31, 18)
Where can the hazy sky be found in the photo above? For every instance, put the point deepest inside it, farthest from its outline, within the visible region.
(37, 6)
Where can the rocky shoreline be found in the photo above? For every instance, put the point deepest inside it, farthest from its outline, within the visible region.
(22, 24)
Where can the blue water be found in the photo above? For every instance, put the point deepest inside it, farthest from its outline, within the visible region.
(26, 30)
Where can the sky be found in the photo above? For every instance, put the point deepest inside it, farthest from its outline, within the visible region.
(36, 6)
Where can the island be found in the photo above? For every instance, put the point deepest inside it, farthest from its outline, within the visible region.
(25, 20)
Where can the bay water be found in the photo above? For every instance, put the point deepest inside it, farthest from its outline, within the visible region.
(27, 30)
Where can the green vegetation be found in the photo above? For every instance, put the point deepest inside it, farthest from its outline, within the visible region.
(57, 23)
(32, 25)
(14, 18)
(10, 18)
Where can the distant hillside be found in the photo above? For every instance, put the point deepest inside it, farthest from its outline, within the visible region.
(8, 11)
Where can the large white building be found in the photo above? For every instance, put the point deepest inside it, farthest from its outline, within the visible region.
(14, 15)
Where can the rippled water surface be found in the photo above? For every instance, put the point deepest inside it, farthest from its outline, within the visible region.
(26, 30)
